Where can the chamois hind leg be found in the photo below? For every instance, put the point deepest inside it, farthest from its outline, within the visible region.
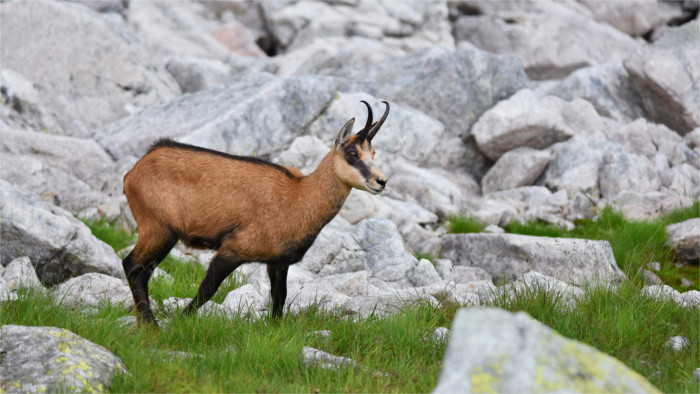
(278, 287)
(151, 248)
(220, 267)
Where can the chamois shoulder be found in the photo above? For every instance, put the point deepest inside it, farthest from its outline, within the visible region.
(172, 144)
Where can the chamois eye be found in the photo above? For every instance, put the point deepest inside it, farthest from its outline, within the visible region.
(352, 154)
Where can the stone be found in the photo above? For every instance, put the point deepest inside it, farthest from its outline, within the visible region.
(460, 274)
(532, 203)
(530, 35)
(496, 213)
(269, 112)
(666, 75)
(58, 46)
(607, 87)
(509, 256)
(305, 153)
(20, 274)
(194, 74)
(663, 293)
(249, 298)
(683, 179)
(649, 139)
(512, 352)
(518, 167)
(318, 358)
(677, 343)
(691, 299)
(64, 361)
(322, 334)
(686, 282)
(334, 56)
(440, 334)
(453, 87)
(174, 28)
(636, 206)
(576, 164)
(696, 375)
(655, 266)
(493, 229)
(684, 239)
(650, 278)
(93, 290)
(424, 274)
(524, 120)
(624, 171)
(634, 17)
(58, 245)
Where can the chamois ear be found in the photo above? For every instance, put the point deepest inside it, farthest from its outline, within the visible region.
(345, 132)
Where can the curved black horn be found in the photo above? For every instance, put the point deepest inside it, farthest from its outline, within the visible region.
(376, 126)
(368, 124)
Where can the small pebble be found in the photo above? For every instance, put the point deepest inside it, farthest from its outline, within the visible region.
(686, 283)
(677, 343)
(696, 375)
(655, 266)
(441, 334)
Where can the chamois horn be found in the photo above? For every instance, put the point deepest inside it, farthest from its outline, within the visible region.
(368, 124)
(375, 127)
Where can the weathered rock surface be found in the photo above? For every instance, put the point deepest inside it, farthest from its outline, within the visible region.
(62, 361)
(524, 120)
(248, 116)
(549, 43)
(684, 239)
(518, 167)
(509, 256)
(194, 74)
(77, 88)
(634, 17)
(667, 76)
(20, 273)
(508, 352)
(638, 206)
(452, 87)
(93, 290)
(59, 246)
(607, 87)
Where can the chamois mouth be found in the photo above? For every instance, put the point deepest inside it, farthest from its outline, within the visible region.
(375, 190)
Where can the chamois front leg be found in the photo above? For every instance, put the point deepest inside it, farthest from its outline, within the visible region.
(220, 268)
(278, 287)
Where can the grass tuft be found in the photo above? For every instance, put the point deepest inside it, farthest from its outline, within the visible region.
(464, 224)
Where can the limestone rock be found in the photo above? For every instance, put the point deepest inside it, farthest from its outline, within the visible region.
(518, 167)
(60, 48)
(321, 359)
(64, 361)
(512, 352)
(684, 239)
(637, 206)
(263, 116)
(20, 273)
(509, 256)
(194, 74)
(548, 43)
(92, 290)
(634, 17)
(58, 245)
(523, 120)
(666, 74)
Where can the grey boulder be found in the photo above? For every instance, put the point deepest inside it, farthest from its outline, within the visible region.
(518, 167)
(492, 350)
(58, 244)
(53, 359)
(684, 239)
(509, 256)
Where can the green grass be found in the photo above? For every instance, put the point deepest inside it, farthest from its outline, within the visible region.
(464, 224)
(267, 354)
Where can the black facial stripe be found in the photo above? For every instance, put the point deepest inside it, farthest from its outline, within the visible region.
(362, 167)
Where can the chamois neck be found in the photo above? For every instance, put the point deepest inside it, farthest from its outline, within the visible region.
(324, 193)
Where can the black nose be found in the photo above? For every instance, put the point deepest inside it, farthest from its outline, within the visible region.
(381, 182)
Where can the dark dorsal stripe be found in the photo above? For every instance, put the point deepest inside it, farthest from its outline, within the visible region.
(169, 143)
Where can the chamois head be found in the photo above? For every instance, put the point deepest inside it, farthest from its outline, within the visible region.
(354, 155)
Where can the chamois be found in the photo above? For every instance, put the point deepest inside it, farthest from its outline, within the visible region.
(245, 208)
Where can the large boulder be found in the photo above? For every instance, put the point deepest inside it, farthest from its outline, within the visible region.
(92, 291)
(36, 359)
(492, 350)
(518, 167)
(549, 43)
(640, 206)
(509, 256)
(255, 115)
(454, 87)
(524, 120)
(667, 76)
(58, 245)
(87, 69)
(607, 87)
